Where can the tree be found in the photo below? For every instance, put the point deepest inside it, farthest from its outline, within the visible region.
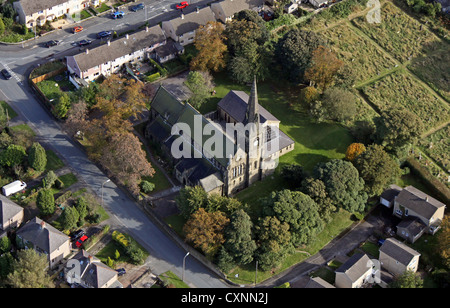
(298, 210)
(2, 26)
(82, 208)
(147, 187)
(377, 168)
(5, 245)
(354, 150)
(316, 189)
(206, 231)
(29, 271)
(293, 174)
(343, 184)
(443, 239)
(191, 199)
(13, 155)
(45, 202)
(294, 51)
(407, 280)
(224, 204)
(49, 179)
(323, 67)
(249, 61)
(339, 104)
(209, 41)
(308, 95)
(69, 218)
(397, 127)
(239, 238)
(62, 106)
(274, 242)
(77, 118)
(201, 84)
(37, 158)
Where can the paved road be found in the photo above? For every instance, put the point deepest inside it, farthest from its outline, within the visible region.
(126, 215)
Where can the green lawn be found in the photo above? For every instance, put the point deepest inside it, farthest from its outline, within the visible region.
(11, 113)
(173, 281)
(53, 161)
(68, 179)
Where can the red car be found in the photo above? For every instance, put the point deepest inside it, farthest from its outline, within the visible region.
(77, 29)
(182, 5)
(80, 242)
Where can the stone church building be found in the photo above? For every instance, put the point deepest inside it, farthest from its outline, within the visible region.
(247, 140)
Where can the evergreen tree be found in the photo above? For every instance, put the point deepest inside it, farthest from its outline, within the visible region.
(37, 158)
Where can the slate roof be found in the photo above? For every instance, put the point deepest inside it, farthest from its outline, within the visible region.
(390, 193)
(46, 238)
(419, 202)
(119, 48)
(211, 182)
(8, 209)
(356, 266)
(318, 283)
(231, 7)
(413, 225)
(235, 104)
(398, 251)
(167, 105)
(33, 6)
(192, 21)
(95, 273)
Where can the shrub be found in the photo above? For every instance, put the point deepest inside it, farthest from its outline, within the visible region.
(147, 187)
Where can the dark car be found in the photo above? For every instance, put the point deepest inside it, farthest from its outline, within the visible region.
(76, 235)
(84, 42)
(138, 7)
(121, 271)
(6, 74)
(103, 34)
(51, 43)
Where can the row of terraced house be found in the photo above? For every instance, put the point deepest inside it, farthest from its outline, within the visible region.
(161, 42)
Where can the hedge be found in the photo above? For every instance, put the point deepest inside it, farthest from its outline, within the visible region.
(437, 187)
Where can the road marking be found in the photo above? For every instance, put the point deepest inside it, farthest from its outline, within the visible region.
(12, 73)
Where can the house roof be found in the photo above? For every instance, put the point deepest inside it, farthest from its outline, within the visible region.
(120, 47)
(413, 225)
(190, 22)
(94, 272)
(398, 251)
(32, 6)
(8, 209)
(42, 235)
(231, 7)
(356, 266)
(211, 182)
(390, 193)
(419, 202)
(318, 283)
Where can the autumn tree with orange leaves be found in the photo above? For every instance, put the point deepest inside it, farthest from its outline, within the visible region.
(323, 67)
(206, 230)
(354, 150)
(209, 41)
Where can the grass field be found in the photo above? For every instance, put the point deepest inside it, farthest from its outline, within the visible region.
(434, 69)
(359, 53)
(399, 34)
(400, 89)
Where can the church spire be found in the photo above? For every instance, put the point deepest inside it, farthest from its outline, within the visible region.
(252, 114)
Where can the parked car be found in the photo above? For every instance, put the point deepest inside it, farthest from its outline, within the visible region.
(77, 29)
(80, 242)
(138, 7)
(118, 14)
(182, 5)
(52, 43)
(6, 74)
(76, 235)
(121, 271)
(103, 34)
(84, 42)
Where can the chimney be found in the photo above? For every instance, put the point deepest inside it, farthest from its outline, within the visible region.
(42, 225)
(109, 43)
(146, 29)
(198, 9)
(426, 198)
(127, 36)
(182, 16)
(87, 51)
(91, 258)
